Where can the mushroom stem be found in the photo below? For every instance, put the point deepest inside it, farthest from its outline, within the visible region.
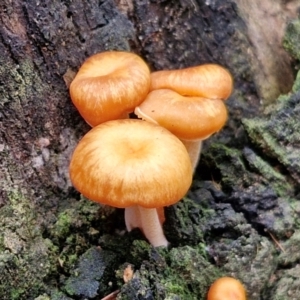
(149, 220)
(132, 218)
(194, 150)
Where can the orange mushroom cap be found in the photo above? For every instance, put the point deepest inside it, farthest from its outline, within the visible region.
(208, 81)
(227, 288)
(108, 85)
(131, 162)
(189, 118)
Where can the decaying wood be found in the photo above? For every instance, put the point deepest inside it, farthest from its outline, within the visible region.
(42, 44)
(266, 22)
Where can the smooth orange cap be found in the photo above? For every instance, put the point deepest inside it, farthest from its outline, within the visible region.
(208, 81)
(189, 118)
(108, 85)
(227, 288)
(131, 162)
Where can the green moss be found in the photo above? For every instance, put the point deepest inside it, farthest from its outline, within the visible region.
(186, 220)
(276, 179)
(278, 134)
(18, 83)
(43, 297)
(296, 85)
(252, 184)
(291, 41)
(291, 254)
(58, 295)
(16, 293)
(72, 228)
(28, 258)
(181, 273)
(63, 224)
(287, 286)
(190, 265)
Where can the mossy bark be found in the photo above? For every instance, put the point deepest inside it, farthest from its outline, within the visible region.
(246, 186)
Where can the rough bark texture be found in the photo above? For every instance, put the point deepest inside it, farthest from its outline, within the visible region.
(240, 216)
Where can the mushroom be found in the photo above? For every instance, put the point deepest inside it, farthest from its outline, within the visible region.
(191, 119)
(135, 165)
(227, 288)
(208, 81)
(109, 85)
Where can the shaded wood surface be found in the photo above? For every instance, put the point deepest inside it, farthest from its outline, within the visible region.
(42, 44)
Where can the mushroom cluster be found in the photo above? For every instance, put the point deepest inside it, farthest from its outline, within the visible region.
(134, 164)
(189, 103)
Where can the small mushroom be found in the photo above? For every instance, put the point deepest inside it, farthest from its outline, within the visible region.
(109, 85)
(227, 288)
(191, 119)
(209, 81)
(135, 165)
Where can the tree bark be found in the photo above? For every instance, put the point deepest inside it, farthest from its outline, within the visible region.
(42, 45)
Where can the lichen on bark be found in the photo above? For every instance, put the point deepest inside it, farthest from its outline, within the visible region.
(26, 258)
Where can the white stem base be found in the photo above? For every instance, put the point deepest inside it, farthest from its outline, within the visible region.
(148, 220)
